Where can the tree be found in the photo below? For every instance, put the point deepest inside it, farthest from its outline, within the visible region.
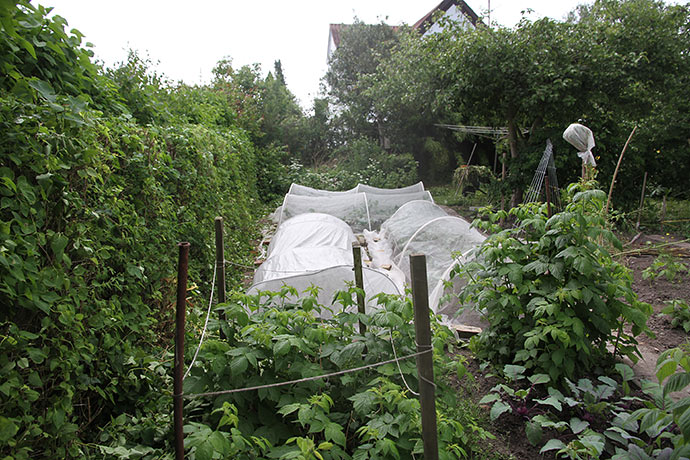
(280, 111)
(612, 65)
(404, 90)
(646, 82)
(362, 48)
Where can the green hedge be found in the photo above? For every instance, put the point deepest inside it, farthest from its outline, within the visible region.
(91, 207)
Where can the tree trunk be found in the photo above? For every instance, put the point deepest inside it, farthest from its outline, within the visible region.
(516, 199)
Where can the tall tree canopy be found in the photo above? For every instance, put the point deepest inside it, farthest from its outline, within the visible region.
(362, 48)
(612, 65)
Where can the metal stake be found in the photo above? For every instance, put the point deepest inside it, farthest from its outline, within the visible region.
(359, 282)
(179, 348)
(220, 270)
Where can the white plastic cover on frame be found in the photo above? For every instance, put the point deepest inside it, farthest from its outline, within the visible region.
(312, 246)
(300, 260)
(297, 189)
(418, 187)
(383, 205)
(311, 230)
(303, 190)
(400, 227)
(330, 280)
(351, 208)
(444, 241)
(359, 210)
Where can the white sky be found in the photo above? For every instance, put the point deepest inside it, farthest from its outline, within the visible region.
(187, 38)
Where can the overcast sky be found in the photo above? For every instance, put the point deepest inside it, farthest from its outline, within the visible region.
(188, 38)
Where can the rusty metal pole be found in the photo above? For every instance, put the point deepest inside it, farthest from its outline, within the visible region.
(179, 348)
(220, 270)
(425, 362)
(548, 195)
(359, 282)
(639, 211)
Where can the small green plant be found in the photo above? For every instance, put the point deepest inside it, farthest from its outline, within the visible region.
(679, 311)
(562, 415)
(665, 265)
(664, 422)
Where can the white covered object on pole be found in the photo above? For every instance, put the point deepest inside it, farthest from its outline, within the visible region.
(582, 138)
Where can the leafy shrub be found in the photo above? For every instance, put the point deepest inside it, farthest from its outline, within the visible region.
(664, 420)
(679, 311)
(553, 296)
(597, 419)
(362, 162)
(471, 178)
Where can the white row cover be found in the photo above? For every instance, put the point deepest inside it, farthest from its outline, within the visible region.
(311, 230)
(360, 210)
(446, 242)
(296, 189)
(313, 243)
(400, 227)
(315, 249)
(421, 227)
(330, 280)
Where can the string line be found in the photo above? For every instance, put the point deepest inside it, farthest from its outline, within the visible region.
(305, 379)
(395, 353)
(208, 315)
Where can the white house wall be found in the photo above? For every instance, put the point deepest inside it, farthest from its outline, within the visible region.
(454, 14)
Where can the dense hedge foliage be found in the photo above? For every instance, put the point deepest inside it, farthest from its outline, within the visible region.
(360, 162)
(93, 202)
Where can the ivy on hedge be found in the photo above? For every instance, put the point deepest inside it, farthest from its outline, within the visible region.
(91, 206)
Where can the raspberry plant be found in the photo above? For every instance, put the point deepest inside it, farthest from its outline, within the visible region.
(554, 297)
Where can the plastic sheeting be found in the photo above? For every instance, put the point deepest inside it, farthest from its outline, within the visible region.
(581, 137)
(311, 230)
(400, 227)
(330, 280)
(418, 187)
(359, 210)
(297, 189)
(383, 206)
(303, 190)
(312, 246)
(352, 208)
(442, 240)
(300, 260)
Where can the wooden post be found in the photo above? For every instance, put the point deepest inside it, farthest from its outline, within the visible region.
(220, 269)
(425, 362)
(179, 348)
(503, 180)
(615, 172)
(639, 211)
(663, 211)
(359, 282)
(548, 194)
(495, 158)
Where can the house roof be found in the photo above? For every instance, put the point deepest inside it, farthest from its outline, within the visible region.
(335, 30)
(423, 24)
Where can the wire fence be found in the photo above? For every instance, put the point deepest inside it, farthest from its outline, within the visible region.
(305, 379)
(396, 359)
